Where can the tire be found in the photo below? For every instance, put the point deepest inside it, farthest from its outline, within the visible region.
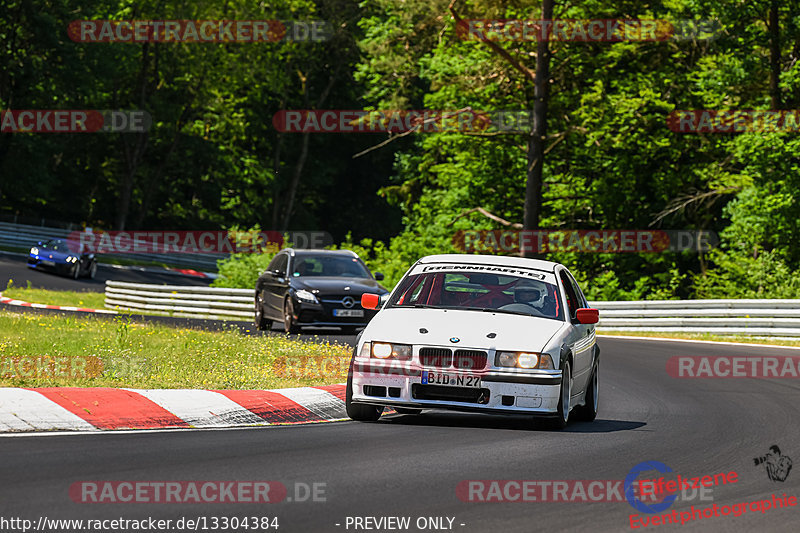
(588, 412)
(92, 270)
(359, 412)
(288, 317)
(561, 419)
(407, 411)
(76, 271)
(258, 317)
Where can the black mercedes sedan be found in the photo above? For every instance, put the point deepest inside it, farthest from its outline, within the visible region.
(315, 288)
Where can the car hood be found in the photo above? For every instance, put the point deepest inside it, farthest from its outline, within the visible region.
(358, 286)
(54, 255)
(512, 332)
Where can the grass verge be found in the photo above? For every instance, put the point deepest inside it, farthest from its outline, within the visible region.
(85, 299)
(704, 337)
(57, 351)
(91, 300)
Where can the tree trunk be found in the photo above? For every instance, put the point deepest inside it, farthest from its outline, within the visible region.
(536, 140)
(301, 160)
(774, 56)
(134, 154)
(298, 172)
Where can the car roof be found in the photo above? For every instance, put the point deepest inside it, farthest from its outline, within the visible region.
(496, 260)
(304, 251)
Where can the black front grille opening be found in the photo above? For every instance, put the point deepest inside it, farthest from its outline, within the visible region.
(374, 390)
(507, 400)
(449, 394)
(470, 359)
(394, 392)
(439, 357)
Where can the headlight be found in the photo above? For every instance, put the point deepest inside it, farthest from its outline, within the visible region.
(527, 360)
(524, 360)
(35, 251)
(306, 296)
(365, 350)
(506, 359)
(385, 350)
(71, 259)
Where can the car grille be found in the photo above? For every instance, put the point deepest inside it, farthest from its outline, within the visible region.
(449, 394)
(443, 358)
(439, 357)
(337, 298)
(470, 360)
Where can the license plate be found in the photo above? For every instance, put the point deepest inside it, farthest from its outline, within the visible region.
(348, 312)
(48, 263)
(452, 380)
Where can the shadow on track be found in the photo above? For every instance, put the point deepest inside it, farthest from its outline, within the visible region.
(517, 423)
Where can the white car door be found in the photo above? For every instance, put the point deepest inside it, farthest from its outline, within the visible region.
(581, 339)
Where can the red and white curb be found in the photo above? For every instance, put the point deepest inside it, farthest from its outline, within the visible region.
(95, 409)
(192, 272)
(21, 303)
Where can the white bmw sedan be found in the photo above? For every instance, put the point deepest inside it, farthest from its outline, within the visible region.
(491, 334)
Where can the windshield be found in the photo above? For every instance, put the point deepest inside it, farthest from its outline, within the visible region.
(56, 246)
(329, 266)
(480, 292)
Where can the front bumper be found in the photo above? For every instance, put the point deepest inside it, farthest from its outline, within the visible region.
(500, 391)
(322, 314)
(61, 268)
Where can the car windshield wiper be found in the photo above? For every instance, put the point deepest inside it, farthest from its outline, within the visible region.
(491, 310)
(508, 312)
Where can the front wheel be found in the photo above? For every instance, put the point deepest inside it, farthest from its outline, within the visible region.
(560, 422)
(357, 411)
(93, 270)
(588, 412)
(260, 321)
(288, 317)
(76, 271)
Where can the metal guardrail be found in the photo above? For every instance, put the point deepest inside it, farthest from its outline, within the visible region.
(181, 300)
(25, 236)
(728, 317)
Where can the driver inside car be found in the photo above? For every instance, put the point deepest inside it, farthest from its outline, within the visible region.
(529, 295)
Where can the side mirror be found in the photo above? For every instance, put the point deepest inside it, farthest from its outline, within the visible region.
(587, 315)
(370, 301)
(378, 276)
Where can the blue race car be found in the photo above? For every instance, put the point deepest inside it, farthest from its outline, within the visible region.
(56, 255)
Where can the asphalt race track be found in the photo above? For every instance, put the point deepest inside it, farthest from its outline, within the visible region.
(410, 466)
(15, 268)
